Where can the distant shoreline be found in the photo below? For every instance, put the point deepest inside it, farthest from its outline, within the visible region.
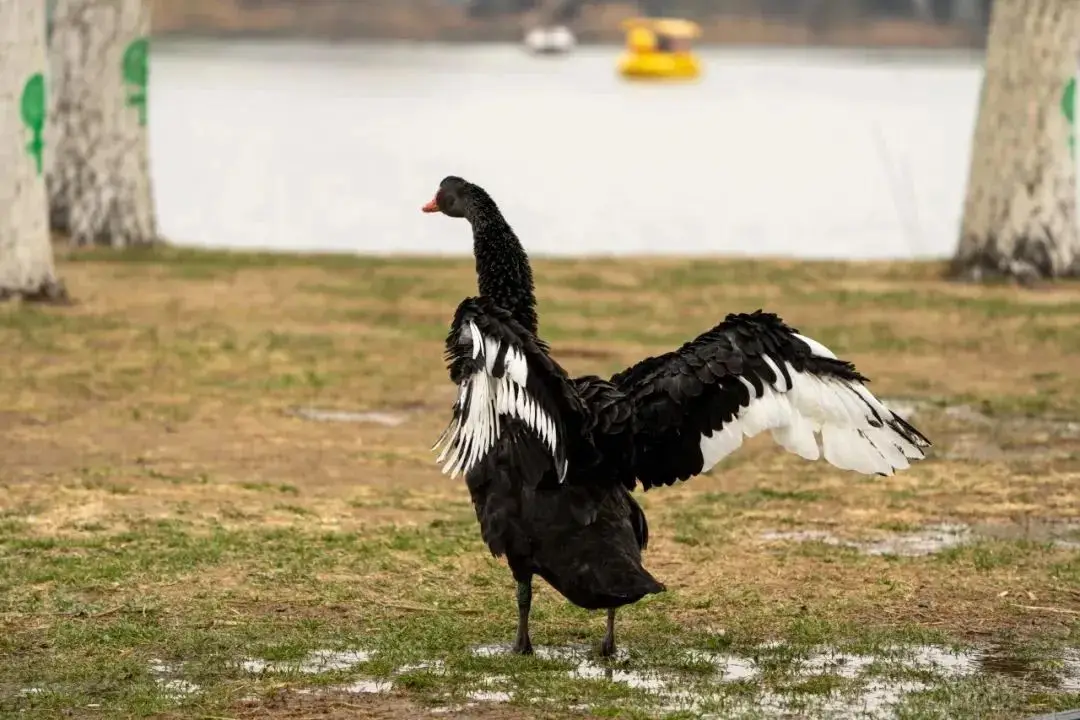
(411, 21)
(851, 42)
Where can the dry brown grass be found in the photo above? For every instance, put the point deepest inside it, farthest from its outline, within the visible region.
(162, 400)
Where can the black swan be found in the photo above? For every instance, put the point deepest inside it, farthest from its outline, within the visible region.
(550, 461)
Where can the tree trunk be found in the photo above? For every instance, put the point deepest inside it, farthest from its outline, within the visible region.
(26, 259)
(1020, 211)
(99, 171)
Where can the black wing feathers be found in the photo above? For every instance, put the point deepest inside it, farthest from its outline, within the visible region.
(690, 393)
(607, 456)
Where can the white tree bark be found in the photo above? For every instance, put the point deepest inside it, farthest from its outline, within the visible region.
(26, 258)
(1020, 210)
(99, 170)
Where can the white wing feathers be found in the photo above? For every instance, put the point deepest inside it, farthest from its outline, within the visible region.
(483, 400)
(816, 348)
(857, 431)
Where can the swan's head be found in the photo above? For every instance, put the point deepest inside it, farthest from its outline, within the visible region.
(451, 197)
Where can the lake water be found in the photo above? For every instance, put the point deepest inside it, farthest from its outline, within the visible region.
(812, 153)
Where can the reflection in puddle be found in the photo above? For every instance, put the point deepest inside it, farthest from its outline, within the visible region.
(999, 660)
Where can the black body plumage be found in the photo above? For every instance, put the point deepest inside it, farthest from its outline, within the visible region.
(550, 461)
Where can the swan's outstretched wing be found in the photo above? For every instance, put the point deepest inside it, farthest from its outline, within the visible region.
(508, 385)
(749, 374)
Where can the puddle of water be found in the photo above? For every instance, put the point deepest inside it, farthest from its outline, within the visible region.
(832, 662)
(497, 696)
(933, 539)
(435, 667)
(360, 686)
(731, 668)
(321, 415)
(587, 668)
(975, 435)
(872, 697)
(549, 652)
(318, 661)
(368, 686)
(866, 695)
(1054, 426)
(644, 680)
(178, 689)
(170, 685)
(664, 685)
(802, 536)
(926, 541)
(446, 709)
(325, 660)
(1000, 660)
(907, 408)
(945, 662)
(875, 699)
(1059, 532)
(1070, 671)
(492, 650)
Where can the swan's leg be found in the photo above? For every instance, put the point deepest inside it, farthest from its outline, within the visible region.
(607, 647)
(523, 645)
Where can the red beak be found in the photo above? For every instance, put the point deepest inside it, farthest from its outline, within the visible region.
(431, 207)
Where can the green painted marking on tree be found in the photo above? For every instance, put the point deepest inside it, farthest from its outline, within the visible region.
(1068, 106)
(136, 70)
(33, 116)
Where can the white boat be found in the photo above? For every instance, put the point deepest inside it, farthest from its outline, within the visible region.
(550, 40)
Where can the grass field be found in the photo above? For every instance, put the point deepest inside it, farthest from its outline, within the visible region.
(178, 540)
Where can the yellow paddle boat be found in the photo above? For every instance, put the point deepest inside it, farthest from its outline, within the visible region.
(659, 49)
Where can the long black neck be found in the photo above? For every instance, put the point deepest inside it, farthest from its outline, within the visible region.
(502, 267)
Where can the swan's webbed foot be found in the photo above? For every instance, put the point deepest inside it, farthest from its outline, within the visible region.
(607, 646)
